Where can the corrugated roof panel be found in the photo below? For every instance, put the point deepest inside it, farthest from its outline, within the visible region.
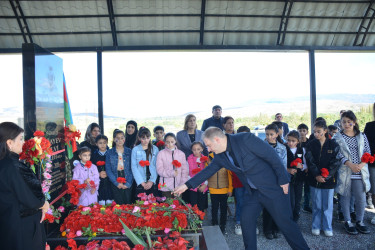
(9, 26)
(254, 8)
(238, 23)
(370, 40)
(249, 39)
(157, 7)
(11, 42)
(50, 8)
(69, 25)
(137, 39)
(73, 40)
(6, 9)
(158, 23)
(213, 38)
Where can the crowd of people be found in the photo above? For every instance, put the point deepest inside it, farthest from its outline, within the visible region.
(321, 169)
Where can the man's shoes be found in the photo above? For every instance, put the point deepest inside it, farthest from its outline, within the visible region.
(361, 227)
(328, 233)
(268, 236)
(353, 216)
(223, 230)
(315, 232)
(275, 235)
(373, 221)
(350, 228)
(307, 210)
(237, 229)
(340, 217)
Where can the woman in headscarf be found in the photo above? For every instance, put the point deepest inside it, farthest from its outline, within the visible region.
(131, 132)
(93, 130)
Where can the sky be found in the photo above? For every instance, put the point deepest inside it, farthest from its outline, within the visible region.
(160, 83)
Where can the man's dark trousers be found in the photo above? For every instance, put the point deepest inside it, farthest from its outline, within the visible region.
(280, 210)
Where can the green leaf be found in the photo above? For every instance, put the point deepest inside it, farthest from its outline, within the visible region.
(33, 168)
(148, 237)
(134, 239)
(175, 222)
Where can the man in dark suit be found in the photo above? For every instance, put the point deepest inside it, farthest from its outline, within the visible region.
(261, 171)
(279, 118)
(215, 121)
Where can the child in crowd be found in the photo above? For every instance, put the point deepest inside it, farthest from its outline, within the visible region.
(198, 196)
(281, 129)
(144, 173)
(323, 163)
(273, 138)
(131, 134)
(86, 172)
(294, 152)
(98, 158)
(159, 135)
(171, 166)
(332, 130)
(220, 187)
(117, 164)
(353, 174)
(238, 190)
(318, 119)
(303, 130)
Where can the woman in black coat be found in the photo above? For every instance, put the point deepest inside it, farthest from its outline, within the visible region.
(16, 197)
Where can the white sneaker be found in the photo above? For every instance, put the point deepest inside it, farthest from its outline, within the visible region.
(373, 220)
(315, 232)
(328, 233)
(257, 231)
(237, 229)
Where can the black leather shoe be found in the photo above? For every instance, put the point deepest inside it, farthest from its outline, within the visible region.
(268, 236)
(340, 217)
(360, 226)
(350, 229)
(223, 230)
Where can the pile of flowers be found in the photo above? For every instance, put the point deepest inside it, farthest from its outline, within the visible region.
(367, 158)
(37, 152)
(173, 241)
(147, 213)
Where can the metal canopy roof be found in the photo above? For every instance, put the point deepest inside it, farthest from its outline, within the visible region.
(163, 24)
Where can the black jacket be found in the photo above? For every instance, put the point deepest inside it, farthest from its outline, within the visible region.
(318, 157)
(370, 134)
(299, 176)
(35, 187)
(213, 122)
(258, 165)
(14, 192)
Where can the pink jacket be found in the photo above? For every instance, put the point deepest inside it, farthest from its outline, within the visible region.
(165, 169)
(192, 161)
(81, 174)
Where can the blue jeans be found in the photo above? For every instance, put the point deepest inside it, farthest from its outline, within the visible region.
(322, 208)
(239, 194)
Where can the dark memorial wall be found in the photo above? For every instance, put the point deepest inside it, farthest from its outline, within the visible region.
(44, 105)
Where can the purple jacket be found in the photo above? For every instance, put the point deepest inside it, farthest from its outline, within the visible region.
(81, 174)
(165, 169)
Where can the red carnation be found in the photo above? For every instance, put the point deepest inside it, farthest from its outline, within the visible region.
(324, 172)
(72, 244)
(144, 163)
(100, 163)
(39, 133)
(121, 180)
(88, 164)
(203, 159)
(176, 163)
(196, 171)
(160, 144)
(92, 184)
(295, 162)
(162, 185)
(367, 158)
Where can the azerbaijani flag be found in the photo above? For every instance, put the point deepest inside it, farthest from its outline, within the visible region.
(67, 118)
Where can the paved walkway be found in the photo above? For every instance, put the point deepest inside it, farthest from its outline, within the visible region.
(340, 240)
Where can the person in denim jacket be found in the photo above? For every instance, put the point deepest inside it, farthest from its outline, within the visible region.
(117, 164)
(145, 176)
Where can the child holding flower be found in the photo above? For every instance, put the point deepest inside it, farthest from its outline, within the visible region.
(171, 166)
(143, 163)
(196, 161)
(323, 163)
(98, 158)
(86, 172)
